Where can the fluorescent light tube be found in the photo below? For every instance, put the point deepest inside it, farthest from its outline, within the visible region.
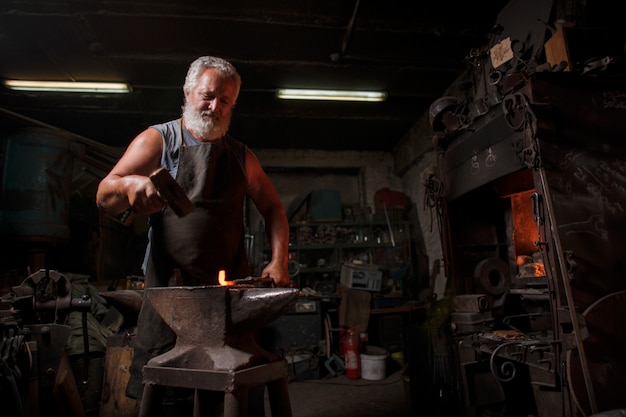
(67, 86)
(337, 95)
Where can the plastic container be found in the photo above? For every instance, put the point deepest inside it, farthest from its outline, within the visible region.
(374, 363)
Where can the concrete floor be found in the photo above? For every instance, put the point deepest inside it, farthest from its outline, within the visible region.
(335, 396)
(312, 393)
(340, 396)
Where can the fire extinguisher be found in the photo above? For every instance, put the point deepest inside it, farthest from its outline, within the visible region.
(352, 356)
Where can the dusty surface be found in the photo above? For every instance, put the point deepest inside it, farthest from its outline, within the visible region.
(340, 396)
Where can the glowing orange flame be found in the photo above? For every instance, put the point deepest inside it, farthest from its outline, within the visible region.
(221, 277)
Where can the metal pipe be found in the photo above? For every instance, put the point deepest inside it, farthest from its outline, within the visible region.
(570, 298)
(393, 241)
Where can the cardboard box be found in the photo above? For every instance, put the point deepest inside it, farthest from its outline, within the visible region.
(577, 45)
(361, 277)
(325, 206)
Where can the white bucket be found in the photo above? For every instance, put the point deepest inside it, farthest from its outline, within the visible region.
(373, 363)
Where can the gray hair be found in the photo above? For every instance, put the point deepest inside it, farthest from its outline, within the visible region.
(203, 63)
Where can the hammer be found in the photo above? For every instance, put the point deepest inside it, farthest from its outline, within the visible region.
(170, 192)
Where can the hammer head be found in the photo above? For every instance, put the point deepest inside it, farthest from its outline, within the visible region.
(170, 191)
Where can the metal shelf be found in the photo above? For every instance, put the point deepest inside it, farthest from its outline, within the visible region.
(331, 245)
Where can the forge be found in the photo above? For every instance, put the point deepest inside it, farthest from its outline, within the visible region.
(532, 205)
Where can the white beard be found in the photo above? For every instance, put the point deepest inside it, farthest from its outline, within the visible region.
(205, 124)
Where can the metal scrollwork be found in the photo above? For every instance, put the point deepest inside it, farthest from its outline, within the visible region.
(507, 370)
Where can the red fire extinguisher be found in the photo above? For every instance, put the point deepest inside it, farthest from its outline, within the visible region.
(352, 356)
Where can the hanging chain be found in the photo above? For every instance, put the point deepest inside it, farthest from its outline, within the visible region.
(520, 117)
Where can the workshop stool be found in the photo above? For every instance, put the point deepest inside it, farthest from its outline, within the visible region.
(234, 384)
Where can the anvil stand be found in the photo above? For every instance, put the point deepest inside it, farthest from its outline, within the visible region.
(221, 354)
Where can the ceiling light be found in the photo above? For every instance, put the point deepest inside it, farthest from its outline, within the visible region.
(67, 86)
(337, 95)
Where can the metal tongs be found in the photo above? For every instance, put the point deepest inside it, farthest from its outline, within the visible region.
(268, 281)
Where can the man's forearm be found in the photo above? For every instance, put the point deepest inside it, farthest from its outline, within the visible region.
(111, 198)
(278, 235)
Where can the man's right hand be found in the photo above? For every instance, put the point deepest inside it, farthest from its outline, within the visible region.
(143, 196)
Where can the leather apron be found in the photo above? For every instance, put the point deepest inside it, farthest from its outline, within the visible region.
(210, 238)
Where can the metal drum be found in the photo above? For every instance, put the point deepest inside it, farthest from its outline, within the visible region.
(36, 186)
